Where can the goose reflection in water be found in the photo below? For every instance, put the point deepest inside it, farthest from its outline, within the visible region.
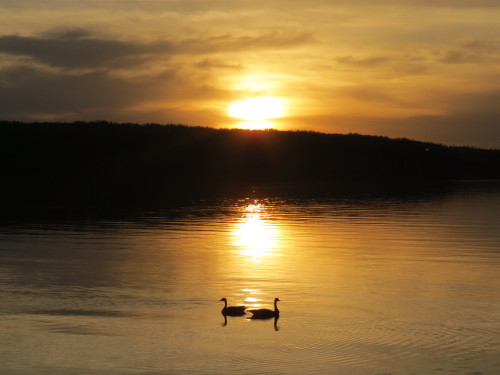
(263, 314)
(225, 320)
(276, 318)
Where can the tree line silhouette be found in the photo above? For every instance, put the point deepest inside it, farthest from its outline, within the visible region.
(103, 161)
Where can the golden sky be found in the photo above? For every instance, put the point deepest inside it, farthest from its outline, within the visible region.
(423, 69)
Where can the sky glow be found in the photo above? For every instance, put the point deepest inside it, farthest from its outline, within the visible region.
(427, 70)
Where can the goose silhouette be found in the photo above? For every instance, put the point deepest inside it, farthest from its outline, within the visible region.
(232, 310)
(266, 313)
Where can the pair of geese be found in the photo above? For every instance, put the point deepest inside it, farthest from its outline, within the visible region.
(256, 314)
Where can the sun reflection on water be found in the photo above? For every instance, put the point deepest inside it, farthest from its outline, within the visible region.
(257, 248)
(253, 298)
(255, 235)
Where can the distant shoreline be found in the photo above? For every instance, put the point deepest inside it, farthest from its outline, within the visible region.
(93, 162)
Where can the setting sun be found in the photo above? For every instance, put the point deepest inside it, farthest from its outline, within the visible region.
(257, 109)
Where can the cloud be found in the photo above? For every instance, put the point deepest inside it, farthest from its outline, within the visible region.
(369, 94)
(473, 119)
(231, 43)
(458, 3)
(71, 73)
(477, 104)
(481, 130)
(476, 51)
(77, 49)
(364, 62)
(67, 33)
(210, 63)
(393, 64)
(185, 6)
(28, 91)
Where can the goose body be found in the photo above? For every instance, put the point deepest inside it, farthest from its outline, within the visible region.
(266, 313)
(232, 310)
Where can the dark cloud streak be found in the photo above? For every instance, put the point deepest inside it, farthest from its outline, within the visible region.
(476, 51)
(75, 49)
(472, 119)
(77, 52)
(31, 91)
(366, 62)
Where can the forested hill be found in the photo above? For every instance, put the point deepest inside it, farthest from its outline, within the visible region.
(83, 160)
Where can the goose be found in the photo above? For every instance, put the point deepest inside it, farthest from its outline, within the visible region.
(232, 310)
(266, 313)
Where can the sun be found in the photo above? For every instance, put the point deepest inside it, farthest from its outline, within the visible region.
(257, 109)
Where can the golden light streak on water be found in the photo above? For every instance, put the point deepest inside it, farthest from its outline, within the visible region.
(255, 237)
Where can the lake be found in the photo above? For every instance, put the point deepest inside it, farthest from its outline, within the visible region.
(368, 285)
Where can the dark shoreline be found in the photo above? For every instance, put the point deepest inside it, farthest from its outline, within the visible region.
(107, 164)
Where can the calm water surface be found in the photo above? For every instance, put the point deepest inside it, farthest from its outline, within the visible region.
(367, 286)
